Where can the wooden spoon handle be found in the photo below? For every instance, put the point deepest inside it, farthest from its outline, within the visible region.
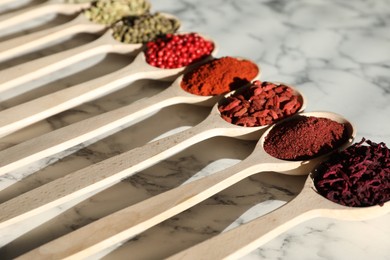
(18, 17)
(17, 46)
(26, 72)
(242, 240)
(124, 224)
(17, 117)
(101, 175)
(13, 232)
(74, 134)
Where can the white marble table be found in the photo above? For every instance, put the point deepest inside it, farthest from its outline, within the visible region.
(337, 52)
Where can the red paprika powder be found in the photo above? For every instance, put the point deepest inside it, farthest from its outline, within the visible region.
(219, 76)
(176, 51)
(260, 104)
(358, 176)
(303, 138)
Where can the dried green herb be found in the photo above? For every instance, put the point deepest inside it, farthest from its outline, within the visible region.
(144, 28)
(108, 12)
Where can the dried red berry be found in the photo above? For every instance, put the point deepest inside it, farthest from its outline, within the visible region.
(260, 104)
(176, 51)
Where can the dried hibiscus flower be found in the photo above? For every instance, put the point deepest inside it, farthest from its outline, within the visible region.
(359, 176)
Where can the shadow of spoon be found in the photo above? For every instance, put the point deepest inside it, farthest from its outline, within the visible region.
(81, 24)
(17, 117)
(13, 77)
(61, 139)
(307, 205)
(46, 8)
(86, 182)
(124, 224)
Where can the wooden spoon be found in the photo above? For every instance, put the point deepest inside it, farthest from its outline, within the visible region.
(17, 46)
(49, 7)
(15, 76)
(74, 134)
(109, 172)
(307, 205)
(25, 114)
(124, 224)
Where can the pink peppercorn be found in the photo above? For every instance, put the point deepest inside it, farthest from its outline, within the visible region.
(175, 51)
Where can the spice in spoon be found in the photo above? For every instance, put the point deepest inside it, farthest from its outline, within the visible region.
(176, 51)
(219, 76)
(358, 176)
(108, 12)
(262, 103)
(302, 138)
(144, 28)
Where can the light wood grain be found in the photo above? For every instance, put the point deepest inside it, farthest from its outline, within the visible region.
(120, 226)
(307, 205)
(124, 224)
(15, 232)
(111, 171)
(17, 46)
(74, 134)
(25, 114)
(17, 117)
(61, 139)
(23, 73)
(107, 173)
(49, 7)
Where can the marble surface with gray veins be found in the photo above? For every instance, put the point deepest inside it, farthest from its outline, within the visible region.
(336, 52)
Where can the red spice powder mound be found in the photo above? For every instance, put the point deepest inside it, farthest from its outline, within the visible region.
(304, 137)
(219, 76)
(358, 176)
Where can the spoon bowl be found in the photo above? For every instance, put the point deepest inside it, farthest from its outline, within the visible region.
(306, 166)
(255, 135)
(126, 223)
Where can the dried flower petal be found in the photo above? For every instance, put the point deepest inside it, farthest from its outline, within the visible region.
(359, 176)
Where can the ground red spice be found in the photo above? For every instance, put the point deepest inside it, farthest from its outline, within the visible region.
(219, 76)
(358, 176)
(304, 137)
(176, 51)
(260, 104)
